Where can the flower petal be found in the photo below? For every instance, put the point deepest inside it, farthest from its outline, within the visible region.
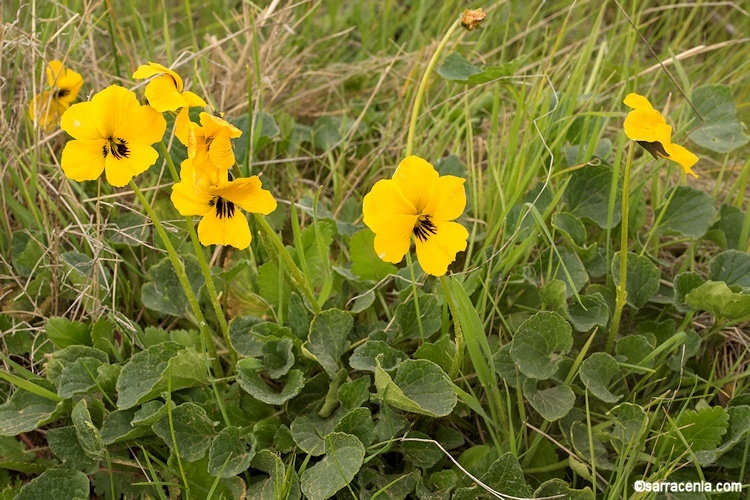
(120, 171)
(685, 158)
(144, 125)
(153, 69)
(437, 252)
(220, 151)
(46, 111)
(193, 100)
(447, 199)
(415, 176)
(383, 201)
(393, 240)
(83, 160)
(189, 199)
(86, 121)
(234, 230)
(163, 95)
(636, 101)
(647, 125)
(214, 124)
(248, 194)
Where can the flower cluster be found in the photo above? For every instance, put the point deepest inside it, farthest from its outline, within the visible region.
(47, 107)
(647, 127)
(114, 133)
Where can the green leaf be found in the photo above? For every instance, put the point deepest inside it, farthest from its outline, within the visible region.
(64, 444)
(149, 413)
(565, 266)
(429, 311)
(358, 422)
(365, 262)
(118, 427)
(437, 486)
(420, 386)
(421, 454)
(635, 348)
(88, 434)
(78, 377)
(164, 293)
(587, 195)
(270, 488)
(597, 372)
(684, 283)
(457, 69)
(344, 457)
(690, 212)
(504, 476)
(128, 229)
(251, 383)
(355, 393)
(643, 278)
(553, 403)
(731, 267)
(540, 343)
(719, 300)
(308, 431)
(631, 424)
(557, 488)
(298, 321)
(328, 131)
(63, 332)
(57, 483)
(25, 411)
(579, 436)
(242, 338)
(193, 431)
(721, 131)
(591, 311)
(278, 357)
(147, 373)
(327, 341)
(363, 357)
(442, 352)
(702, 430)
(730, 224)
(230, 453)
(554, 295)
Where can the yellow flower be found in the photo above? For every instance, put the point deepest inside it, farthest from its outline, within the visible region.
(165, 93)
(212, 195)
(47, 107)
(113, 133)
(211, 143)
(647, 127)
(417, 202)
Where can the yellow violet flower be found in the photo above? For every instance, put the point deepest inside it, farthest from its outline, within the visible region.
(211, 143)
(165, 93)
(47, 107)
(417, 202)
(113, 133)
(647, 127)
(212, 195)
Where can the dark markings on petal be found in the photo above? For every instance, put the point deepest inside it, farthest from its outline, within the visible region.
(655, 148)
(105, 151)
(424, 228)
(61, 93)
(119, 148)
(224, 208)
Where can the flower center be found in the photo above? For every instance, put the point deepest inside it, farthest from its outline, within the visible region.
(424, 228)
(118, 147)
(58, 93)
(224, 208)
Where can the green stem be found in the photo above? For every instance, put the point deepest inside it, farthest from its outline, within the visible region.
(210, 286)
(423, 85)
(622, 293)
(458, 360)
(179, 268)
(410, 264)
(288, 262)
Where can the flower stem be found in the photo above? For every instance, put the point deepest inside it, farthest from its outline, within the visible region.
(622, 293)
(423, 85)
(283, 254)
(210, 286)
(410, 263)
(458, 360)
(179, 268)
